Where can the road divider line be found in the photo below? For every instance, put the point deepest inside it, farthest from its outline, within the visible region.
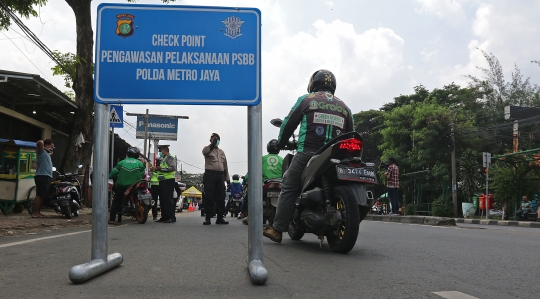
(41, 239)
(454, 295)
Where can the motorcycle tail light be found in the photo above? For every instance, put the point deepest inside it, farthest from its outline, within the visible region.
(65, 189)
(351, 145)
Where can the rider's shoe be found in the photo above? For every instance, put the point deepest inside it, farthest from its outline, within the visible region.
(272, 234)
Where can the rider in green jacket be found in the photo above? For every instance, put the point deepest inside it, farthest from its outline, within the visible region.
(126, 172)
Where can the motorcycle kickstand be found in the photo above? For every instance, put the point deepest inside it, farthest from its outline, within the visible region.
(322, 240)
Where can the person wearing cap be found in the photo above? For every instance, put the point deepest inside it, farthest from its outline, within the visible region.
(166, 172)
(215, 173)
(154, 188)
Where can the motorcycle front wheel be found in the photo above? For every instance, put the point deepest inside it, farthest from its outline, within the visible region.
(343, 240)
(142, 213)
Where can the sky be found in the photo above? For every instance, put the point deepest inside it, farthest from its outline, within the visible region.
(377, 49)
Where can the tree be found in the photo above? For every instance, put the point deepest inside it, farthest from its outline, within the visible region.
(83, 81)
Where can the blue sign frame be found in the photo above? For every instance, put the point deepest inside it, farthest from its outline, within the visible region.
(187, 55)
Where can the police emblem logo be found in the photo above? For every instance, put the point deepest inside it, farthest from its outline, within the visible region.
(124, 25)
(313, 105)
(319, 130)
(233, 26)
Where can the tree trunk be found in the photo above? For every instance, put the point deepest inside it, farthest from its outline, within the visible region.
(83, 85)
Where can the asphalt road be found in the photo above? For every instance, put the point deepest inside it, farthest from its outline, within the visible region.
(189, 260)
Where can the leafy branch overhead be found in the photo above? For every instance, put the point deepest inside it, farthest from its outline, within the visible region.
(68, 70)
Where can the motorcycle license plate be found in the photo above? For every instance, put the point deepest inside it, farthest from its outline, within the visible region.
(358, 174)
(272, 194)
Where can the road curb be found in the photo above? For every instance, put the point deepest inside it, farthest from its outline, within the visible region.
(499, 222)
(424, 220)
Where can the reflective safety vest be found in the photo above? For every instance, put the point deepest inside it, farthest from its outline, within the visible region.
(169, 174)
(153, 179)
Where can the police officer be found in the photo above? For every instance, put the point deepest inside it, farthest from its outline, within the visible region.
(321, 116)
(215, 173)
(154, 189)
(166, 172)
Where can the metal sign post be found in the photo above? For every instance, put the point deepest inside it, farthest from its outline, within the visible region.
(100, 261)
(486, 157)
(183, 55)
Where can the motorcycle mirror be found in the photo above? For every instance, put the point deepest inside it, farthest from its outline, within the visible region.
(276, 122)
(79, 167)
(54, 168)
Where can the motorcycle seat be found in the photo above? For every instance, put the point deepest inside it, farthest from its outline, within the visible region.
(276, 180)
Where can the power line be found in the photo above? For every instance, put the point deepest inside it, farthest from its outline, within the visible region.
(32, 37)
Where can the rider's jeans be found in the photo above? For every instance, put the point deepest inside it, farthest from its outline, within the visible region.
(291, 187)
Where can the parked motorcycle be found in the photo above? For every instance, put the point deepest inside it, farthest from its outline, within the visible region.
(64, 196)
(137, 201)
(334, 199)
(235, 205)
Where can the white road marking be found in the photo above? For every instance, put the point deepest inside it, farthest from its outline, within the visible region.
(454, 295)
(40, 239)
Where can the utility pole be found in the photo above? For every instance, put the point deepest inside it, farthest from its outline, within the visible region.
(453, 155)
(145, 130)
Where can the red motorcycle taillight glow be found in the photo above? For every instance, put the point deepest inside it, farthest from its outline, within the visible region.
(351, 145)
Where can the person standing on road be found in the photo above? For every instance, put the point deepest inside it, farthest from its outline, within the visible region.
(525, 209)
(43, 175)
(322, 117)
(215, 173)
(392, 184)
(166, 176)
(154, 189)
(126, 172)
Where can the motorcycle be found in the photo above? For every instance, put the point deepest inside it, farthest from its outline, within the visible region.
(64, 196)
(235, 204)
(334, 199)
(271, 190)
(137, 201)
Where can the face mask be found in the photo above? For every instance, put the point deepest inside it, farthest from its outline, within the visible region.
(161, 154)
(217, 143)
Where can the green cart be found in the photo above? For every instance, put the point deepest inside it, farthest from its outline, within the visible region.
(17, 169)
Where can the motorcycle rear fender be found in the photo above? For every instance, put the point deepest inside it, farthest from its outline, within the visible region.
(360, 193)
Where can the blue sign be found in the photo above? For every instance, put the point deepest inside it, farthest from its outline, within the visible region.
(116, 117)
(161, 128)
(165, 54)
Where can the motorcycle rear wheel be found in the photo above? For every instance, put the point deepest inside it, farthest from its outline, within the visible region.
(142, 213)
(66, 211)
(345, 203)
(30, 200)
(272, 216)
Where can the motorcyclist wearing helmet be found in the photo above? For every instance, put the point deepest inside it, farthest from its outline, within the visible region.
(272, 162)
(126, 172)
(271, 167)
(321, 116)
(236, 188)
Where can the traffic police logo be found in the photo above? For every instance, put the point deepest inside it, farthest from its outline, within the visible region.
(124, 25)
(233, 26)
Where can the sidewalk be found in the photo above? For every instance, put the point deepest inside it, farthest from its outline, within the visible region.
(443, 221)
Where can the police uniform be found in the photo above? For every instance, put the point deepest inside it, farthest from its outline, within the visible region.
(154, 190)
(166, 187)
